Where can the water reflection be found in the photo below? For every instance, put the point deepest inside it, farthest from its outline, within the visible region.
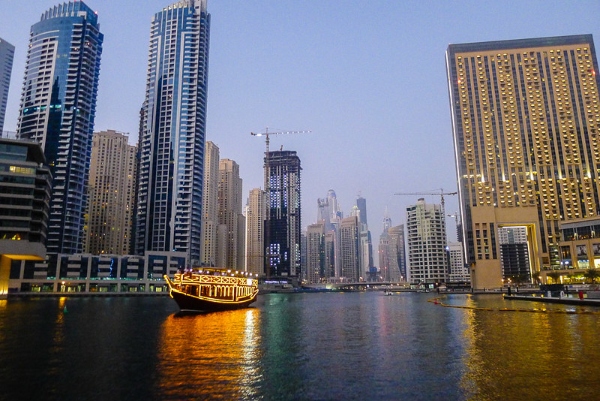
(518, 355)
(214, 354)
(326, 346)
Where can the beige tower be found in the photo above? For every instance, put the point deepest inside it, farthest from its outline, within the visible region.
(526, 119)
(255, 232)
(111, 194)
(210, 205)
(230, 207)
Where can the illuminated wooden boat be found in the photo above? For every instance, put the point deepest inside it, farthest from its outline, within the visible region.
(211, 289)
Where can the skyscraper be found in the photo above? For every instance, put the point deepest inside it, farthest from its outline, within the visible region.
(315, 252)
(426, 228)
(283, 220)
(526, 120)
(255, 228)
(7, 53)
(210, 205)
(173, 131)
(58, 106)
(229, 210)
(368, 265)
(397, 252)
(111, 194)
(350, 249)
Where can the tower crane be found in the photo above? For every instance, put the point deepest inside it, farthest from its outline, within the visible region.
(441, 193)
(266, 134)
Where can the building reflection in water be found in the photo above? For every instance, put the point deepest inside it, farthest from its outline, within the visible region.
(545, 355)
(213, 354)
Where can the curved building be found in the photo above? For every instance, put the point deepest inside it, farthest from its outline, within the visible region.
(58, 106)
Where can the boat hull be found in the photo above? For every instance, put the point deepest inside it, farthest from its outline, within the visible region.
(193, 304)
(213, 292)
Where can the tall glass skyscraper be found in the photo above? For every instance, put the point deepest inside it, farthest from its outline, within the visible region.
(58, 106)
(7, 52)
(283, 227)
(173, 128)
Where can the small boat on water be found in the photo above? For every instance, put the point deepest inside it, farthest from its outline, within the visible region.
(212, 289)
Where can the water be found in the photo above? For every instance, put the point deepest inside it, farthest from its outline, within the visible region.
(325, 346)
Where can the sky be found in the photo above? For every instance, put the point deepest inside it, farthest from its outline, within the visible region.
(367, 78)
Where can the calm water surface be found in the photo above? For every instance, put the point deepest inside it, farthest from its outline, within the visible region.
(325, 346)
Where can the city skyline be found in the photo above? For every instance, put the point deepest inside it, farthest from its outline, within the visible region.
(347, 73)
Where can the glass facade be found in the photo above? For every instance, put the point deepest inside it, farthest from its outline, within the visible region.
(58, 106)
(283, 222)
(172, 132)
(7, 52)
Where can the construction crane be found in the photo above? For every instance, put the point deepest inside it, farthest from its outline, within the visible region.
(266, 134)
(441, 193)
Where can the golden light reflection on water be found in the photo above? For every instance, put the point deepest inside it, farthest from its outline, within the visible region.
(214, 354)
(543, 355)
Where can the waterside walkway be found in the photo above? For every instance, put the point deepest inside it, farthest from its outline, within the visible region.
(556, 300)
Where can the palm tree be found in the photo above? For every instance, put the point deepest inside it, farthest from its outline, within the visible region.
(555, 276)
(592, 275)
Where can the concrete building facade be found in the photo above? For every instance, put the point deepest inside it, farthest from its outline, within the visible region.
(526, 120)
(24, 206)
(426, 235)
(229, 211)
(210, 205)
(113, 171)
(255, 231)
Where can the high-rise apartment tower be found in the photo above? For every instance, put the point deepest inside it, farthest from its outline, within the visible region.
(173, 131)
(7, 53)
(58, 106)
(426, 228)
(229, 210)
(255, 228)
(315, 252)
(210, 205)
(111, 194)
(526, 125)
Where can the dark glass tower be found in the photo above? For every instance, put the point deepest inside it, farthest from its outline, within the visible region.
(58, 106)
(172, 132)
(283, 222)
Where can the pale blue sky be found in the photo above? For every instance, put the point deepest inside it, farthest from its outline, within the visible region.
(367, 77)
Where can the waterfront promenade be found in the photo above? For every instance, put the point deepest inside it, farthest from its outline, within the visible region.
(567, 300)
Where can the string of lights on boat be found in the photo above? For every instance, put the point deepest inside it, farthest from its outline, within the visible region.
(221, 272)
